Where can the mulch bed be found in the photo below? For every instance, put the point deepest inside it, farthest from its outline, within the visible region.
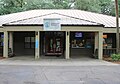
(109, 59)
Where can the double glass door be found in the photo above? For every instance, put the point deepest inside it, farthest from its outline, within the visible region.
(54, 46)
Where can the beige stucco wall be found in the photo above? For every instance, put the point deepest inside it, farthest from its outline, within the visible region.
(23, 28)
(64, 28)
(1, 29)
(109, 30)
(82, 28)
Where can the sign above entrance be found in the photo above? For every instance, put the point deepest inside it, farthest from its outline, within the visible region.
(52, 24)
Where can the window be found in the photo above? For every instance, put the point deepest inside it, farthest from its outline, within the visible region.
(82, 40)
(1, 40)
(29, 42)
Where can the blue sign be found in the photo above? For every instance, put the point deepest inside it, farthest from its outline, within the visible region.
(52, 24)
(78, 34)
(47, 24)
(36, 44)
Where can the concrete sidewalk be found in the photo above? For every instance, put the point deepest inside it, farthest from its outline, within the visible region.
(55, 62)
(26, 70)
(19, 74)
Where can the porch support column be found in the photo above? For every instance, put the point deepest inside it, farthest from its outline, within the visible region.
(100, 46)
(67, 54)
(11, 40)
(37, 38)
(96, 42)
(5, 48)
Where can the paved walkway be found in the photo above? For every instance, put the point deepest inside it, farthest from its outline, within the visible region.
(85, 61)
(58, 71)
(19, 74)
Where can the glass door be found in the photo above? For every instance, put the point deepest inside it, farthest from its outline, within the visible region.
(58, 46)
(53, 46)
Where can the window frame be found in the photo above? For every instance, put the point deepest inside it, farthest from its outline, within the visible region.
(29, 43)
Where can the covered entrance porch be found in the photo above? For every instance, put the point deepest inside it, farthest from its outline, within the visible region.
(24, 43)
(40, 44)
(82, 44)
(36, 44)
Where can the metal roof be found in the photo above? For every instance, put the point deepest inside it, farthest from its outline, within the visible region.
(68, 17)
(65, 20)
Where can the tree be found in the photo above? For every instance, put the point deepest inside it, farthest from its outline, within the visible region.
(98, 6)
(113, 8)
(12, 6)
(61, 4)
(107, 7)
(88, 5)
(119, 6)
(9, 6)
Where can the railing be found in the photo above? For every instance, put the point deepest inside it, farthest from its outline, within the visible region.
(109, 51)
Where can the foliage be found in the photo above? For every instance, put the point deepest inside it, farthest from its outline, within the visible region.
(10, 10)
(107, 7)
(115, 57)
(11, 6)
(98, 6)
(88, 5)
(61, 4)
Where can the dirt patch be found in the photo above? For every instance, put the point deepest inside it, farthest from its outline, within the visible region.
(1, 57)
(109, 59)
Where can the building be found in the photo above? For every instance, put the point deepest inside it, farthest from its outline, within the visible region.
(66, 33)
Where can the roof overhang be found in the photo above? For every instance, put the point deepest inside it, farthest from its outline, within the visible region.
(61, 25)
(1, 26)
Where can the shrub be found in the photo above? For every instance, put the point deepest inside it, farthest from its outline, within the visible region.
(115, 57)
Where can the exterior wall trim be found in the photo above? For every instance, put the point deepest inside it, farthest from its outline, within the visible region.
(1, 30)
(64, 28)
(109, 30)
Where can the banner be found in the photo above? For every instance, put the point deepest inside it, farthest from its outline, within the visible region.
(52, 24)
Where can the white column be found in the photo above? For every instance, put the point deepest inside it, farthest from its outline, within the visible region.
(100, 49)
(5, 48)
(67, 54)
(11, 40)
(96, 41)
(37, 38)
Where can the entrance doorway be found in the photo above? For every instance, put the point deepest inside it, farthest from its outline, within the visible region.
(53, 46)
(52, 43)
(24, 43)
(82, 44)
(1, 44)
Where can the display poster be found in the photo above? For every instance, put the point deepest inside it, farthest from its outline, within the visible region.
(52, 24)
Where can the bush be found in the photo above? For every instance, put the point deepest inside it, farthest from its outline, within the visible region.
(115, 57)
